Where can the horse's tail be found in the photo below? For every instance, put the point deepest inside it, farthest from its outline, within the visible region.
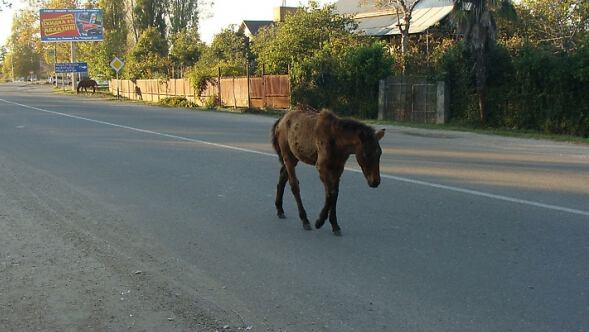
(275, 140)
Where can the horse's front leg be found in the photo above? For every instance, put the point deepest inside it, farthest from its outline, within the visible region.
(332, 212)
(330, 181)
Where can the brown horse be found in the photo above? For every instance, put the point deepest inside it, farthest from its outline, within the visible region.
(87, 83)
(326, 141)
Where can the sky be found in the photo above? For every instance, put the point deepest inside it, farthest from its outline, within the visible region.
(223, 13)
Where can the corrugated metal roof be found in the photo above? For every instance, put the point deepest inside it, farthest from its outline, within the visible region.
(382, 22)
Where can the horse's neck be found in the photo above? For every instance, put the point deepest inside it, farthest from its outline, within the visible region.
(348, 141)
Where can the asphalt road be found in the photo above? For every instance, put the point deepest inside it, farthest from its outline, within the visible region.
(466, 232)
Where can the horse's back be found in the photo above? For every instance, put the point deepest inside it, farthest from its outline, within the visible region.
(87, 83)
(296, 132)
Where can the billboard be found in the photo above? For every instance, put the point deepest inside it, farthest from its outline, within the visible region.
(59, 25)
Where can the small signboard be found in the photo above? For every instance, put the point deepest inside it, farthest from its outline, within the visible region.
(117, 64)
(58, 25)
(71, 67)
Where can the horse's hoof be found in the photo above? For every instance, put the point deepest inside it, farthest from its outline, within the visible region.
(319, 224)
(307, 227)
(281, 215)
(337, 232)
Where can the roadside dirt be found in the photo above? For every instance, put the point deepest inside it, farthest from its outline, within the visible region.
(66, 266)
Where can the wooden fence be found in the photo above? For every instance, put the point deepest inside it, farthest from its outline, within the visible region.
(271, 91)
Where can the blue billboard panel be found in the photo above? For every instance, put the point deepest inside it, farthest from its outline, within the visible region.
(58, 25)
(71, 67)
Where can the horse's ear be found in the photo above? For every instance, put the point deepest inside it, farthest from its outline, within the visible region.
(380, 134)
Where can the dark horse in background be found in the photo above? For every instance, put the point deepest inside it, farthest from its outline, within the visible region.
(87, 83)
(326, 141)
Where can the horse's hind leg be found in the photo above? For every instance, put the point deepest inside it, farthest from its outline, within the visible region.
(294, 185)
(280, 192)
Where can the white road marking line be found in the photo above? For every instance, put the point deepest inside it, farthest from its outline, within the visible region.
(386, 176)
(145, 131)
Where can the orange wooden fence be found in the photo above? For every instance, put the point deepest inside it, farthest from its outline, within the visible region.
(271, 91)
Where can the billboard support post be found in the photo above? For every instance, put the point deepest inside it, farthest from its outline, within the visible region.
(73, 59)
(55, 63)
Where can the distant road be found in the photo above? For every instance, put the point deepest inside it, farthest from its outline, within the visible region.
(466, 232)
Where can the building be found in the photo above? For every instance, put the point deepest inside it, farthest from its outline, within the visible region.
(251, 28)
(383, 22)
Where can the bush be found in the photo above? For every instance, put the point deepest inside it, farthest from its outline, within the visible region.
(346, 83)
(528, 88)
(178, 102)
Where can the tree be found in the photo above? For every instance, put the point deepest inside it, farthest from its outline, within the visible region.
(151, 13)
(183, 15)
(302, 35)
(228, 53)
(148, 58)
(404, 10)
(186, 49)
(99, 54)
(330, 65)
(24, 45)
(561, 25)
(476, 21)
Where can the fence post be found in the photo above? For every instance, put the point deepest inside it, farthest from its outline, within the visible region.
(219, 88)
(442, 103)
(249, 98)
(381, 99)
(263, 86)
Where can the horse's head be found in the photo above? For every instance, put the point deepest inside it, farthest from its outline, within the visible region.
(368, 156)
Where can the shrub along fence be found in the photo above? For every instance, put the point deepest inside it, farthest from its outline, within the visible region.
(528, 88)
(271, 91)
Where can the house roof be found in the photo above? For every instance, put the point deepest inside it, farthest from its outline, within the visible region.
(375, 21)
(254, 26)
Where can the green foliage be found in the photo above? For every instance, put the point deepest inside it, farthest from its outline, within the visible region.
(330, 66)
(148, 59)
(550, 91)
(557, 25)
(183, 15)
(302, 35)
(24, 47)
(455, 67)
(178, 102)
(186, 48)
(227, 53)
(99, 54)
(528, 88)
(151, 13)
(211, 102)
(364, 67)
(346, 82)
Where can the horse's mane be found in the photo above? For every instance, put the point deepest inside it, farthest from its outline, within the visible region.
(348, 124)
(306, 108)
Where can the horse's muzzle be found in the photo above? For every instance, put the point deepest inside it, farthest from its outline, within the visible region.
(374, 184)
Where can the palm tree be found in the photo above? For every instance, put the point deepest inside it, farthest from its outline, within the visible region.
(475, 19)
